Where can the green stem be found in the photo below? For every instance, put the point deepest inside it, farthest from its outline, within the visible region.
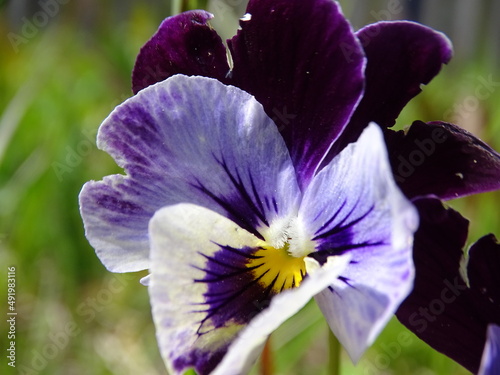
(176, 7)
(334, 354)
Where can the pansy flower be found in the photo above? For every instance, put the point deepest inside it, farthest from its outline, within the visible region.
(235, 246)
(293, 206)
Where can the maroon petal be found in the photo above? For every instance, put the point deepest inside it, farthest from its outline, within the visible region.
(301, 60)
(442, 159)
(442, 310)
(183, 44)
(401, 56)
(482, 269)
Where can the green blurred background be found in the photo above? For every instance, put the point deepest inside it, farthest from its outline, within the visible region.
(60, 77)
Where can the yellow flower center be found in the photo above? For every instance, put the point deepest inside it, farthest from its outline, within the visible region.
(276, 268)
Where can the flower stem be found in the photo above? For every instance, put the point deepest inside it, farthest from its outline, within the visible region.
(175, 7)
(266, 359)
(334, 354)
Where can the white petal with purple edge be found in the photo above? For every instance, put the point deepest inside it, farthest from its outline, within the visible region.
(490, 362)
(182, 237)
(186, 140)
(185, 239)
(354, 206)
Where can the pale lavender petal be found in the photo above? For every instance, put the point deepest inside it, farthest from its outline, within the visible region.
(186, 139)
(354, 206)
(490, 363)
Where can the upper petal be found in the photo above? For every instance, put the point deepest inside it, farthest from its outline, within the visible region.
(442, 310)
(354, 206)
(183, 44)
(186, 139)
(401, 57)
(490, 362)
(442, 159)
(301, 60)
(209, 303)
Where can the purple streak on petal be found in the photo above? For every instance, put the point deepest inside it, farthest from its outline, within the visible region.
(204, 361)
(401, 56)
(234, 294)
(301, 60)
(490, 362)
(442, 310)
(183, 44)
(442, 159)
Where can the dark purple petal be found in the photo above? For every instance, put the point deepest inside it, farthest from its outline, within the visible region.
(401, 56)
(442, 310)
(482, 270)
(183, 44)
(442, 159)
(301, 60)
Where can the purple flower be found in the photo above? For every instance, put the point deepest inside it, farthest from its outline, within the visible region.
(235, 246)
(291, 55)
(244, 203)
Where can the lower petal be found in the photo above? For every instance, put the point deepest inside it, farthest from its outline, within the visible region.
(282, 307)
(209, 304)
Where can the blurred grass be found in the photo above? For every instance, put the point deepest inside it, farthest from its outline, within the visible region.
(54, 93)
